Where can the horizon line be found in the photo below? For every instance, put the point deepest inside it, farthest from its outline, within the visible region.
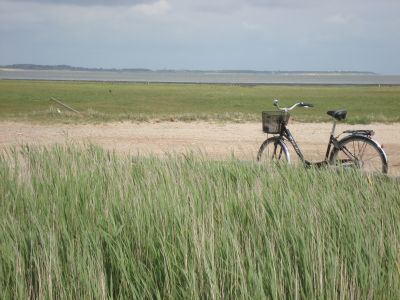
(28, 66)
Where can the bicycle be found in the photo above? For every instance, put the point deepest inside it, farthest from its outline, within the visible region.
(356, 149)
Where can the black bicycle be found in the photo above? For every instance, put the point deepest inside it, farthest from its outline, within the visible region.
(355, 150)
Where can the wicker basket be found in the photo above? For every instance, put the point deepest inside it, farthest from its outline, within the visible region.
(272, 121)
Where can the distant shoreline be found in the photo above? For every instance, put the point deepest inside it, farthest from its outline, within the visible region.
(33, 67)
(243, 84)
(245, 78)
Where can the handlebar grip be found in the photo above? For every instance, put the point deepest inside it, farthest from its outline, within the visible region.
(303, 104)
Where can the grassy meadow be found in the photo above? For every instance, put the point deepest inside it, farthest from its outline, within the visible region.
(187, 227)
(108, 101)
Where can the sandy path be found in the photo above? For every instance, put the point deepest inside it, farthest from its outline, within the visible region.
(217, 140)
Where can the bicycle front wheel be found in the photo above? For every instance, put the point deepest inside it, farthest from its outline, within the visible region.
(360, 152)
(273, 150)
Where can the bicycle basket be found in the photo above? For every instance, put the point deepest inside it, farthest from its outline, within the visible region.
(272, 121)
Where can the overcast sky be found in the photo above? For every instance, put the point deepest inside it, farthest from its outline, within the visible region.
(321, 35)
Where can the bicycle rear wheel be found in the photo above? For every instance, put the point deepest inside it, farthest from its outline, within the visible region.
(360, 152)
(273, 150)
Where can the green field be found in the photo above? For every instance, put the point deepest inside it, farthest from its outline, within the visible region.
(185, 227)
(99, 102)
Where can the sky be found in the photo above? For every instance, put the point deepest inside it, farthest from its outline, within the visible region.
(286, 35)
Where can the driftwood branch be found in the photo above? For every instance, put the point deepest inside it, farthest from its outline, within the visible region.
(64, 105)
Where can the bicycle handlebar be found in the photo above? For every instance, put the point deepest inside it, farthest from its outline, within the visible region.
(286, 109)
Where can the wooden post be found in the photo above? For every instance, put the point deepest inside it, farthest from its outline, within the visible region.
(64, 105)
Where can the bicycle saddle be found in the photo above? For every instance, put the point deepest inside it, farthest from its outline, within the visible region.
(338, 114)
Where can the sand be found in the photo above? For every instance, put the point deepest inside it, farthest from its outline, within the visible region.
(217, 140)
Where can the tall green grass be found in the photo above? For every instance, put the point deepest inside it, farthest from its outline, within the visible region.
(78, 222)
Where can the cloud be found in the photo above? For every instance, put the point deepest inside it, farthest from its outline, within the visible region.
(249, 26)
(155, 8)
(281, 3)
(92, 2)
(340, 19)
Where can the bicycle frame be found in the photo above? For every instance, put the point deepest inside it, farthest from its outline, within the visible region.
(332, 144)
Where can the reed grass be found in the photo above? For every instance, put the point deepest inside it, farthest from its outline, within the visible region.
(79, 222)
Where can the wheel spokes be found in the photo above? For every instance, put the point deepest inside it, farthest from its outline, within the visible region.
(273, 152)
(360, 154)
